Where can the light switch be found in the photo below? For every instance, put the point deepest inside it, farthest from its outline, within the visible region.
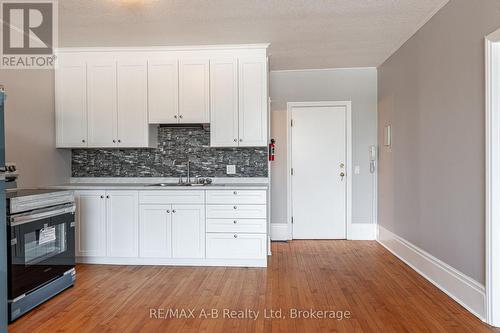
(231, 169)
(357, 170)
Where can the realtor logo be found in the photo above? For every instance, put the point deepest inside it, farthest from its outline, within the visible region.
(28, 33)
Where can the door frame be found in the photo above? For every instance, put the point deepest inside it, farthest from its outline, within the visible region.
(492, 181)
(348, 162)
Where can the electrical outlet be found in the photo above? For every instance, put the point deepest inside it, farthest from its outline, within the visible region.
(231, 169)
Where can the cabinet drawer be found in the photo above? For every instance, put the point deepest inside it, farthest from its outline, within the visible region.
(237, 197)
(158, 197)
(236, 211)
(237, 225)
(236, 246)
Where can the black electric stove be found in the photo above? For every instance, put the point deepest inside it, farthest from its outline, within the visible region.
(41, 255)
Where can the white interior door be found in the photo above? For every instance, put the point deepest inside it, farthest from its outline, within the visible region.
(318, 157)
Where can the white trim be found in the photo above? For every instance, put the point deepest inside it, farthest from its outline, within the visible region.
(323, 69)
(415, 30)
(279, 232)
(349, 169)
(363, 231)
(464, 290)
(165, 48)
(173, 262)
(492, 181)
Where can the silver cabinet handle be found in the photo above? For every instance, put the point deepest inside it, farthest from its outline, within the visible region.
(235, 193)
(102, 196)
(175, 116)
(235, 236)
(235, 140)
(168, 211)
(83, 140)
(180, 116)
(235, 222)
(241, 140)
(173, 211)
(235, 207)
(114, 141)
(119, 141)
(107, 197)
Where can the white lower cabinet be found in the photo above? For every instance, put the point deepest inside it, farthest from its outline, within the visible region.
(122, 219)
(170, 227)
(90, 224)
(188, 231)
(155, 231)
(236, 246)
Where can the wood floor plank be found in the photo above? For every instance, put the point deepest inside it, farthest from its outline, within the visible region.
(381, 293)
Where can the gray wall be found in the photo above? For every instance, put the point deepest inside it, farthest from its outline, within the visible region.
(30, 128)
(431, 181)
(356, 85)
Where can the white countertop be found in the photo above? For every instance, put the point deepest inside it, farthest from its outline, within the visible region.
(146, 184)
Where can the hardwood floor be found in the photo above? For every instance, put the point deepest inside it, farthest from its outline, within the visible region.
(379, 291)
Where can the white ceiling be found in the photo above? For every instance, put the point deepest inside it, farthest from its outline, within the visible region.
(303, 33)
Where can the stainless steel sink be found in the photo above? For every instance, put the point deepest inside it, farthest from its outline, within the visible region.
(176, 184)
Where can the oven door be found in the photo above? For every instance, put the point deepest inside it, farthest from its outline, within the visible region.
(42, 248)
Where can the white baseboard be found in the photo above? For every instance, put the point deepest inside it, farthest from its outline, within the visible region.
(173, 262)
(362, 231)
(466, 291)
(279, 232)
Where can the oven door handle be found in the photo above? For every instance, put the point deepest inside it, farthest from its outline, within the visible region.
(30, 217)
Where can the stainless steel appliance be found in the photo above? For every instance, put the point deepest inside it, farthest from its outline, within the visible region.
(41, 255)
(3, 237)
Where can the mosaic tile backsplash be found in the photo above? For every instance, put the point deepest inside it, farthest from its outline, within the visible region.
(175, 145)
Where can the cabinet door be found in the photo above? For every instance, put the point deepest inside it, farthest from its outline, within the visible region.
(102, 106)
(224, 103)
(163, 91)
(71, 102)
(155, 231)
(194, 91)
(132, 125)
(252, 102)
(122, 220)
(188, 231)
(90, 224)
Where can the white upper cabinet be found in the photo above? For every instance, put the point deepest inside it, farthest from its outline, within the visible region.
(253, 102)
(238, 100)
(115, 97)
(194, 91)
(71, 102)
(132, 120)
(163, 91)
(102, 103)
(224, 102)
